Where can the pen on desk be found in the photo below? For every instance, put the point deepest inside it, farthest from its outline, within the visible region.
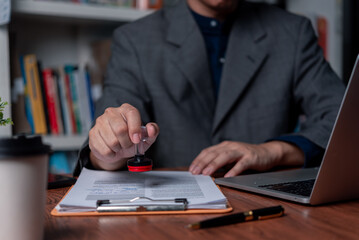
(257, 214)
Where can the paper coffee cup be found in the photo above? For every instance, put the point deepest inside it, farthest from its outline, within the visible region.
(23, 184)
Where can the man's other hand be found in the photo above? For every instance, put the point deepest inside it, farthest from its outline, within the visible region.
(244, 156)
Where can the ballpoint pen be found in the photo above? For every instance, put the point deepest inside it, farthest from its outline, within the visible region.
(257, 214)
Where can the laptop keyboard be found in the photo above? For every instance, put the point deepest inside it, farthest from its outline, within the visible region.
(302, 188)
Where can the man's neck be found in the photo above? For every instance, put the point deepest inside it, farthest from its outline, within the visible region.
(219, 12)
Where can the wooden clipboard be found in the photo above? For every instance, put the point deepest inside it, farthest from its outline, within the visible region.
(56, 213)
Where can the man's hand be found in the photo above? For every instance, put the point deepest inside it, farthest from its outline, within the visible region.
(112, 138)
(245, 156)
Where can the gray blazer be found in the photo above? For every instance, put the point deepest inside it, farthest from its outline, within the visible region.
(273, 72)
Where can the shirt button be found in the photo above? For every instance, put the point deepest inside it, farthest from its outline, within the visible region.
(222, 60)
(213, 23)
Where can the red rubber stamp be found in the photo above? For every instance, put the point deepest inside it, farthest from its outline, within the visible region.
(140, 163)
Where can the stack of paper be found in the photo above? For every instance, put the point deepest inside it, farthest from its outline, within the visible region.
(122, 186)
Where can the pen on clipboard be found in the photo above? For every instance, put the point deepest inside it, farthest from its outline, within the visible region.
(257, 214)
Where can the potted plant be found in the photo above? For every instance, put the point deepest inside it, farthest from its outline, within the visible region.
(4, 121)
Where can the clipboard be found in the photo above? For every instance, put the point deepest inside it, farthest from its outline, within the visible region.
(103, 209)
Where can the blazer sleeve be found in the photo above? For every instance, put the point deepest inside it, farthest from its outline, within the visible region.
(317, 89)
(124, 79)
(123, 84)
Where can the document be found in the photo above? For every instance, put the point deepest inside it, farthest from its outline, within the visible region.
(161, 187)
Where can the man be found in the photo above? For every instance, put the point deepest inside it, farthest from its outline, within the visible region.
(223, 97)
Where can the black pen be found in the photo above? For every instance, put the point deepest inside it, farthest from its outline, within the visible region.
(257, 214)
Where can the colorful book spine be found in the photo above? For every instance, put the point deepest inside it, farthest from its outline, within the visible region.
(53, 103)
(70, 72)
(69, 102)
(90, 97)
(33, 87)
(58, 109)
(28, 111)
(65, 101)
(49, 93)
(43, 94)
(83, 99)
(147, 4)
(322, 26)
(59, 118)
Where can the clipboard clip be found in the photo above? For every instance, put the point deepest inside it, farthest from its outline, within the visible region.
(177, 204)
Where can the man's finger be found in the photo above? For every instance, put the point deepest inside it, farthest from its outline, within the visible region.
(109, 138)
(152, 130)
(201, 162)
(224, 158)
(99, 148)
(133, 118)
(202, 156)
(120, 130)
(238, 168)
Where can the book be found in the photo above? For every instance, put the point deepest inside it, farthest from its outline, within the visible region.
(72, 74)
(83, 92)
(155, 4)
(322, 28)
(27, 104)
(34, 102)
(148, 4)
(71, 102)
(22, 125)
(44, 100)
(58, 108)
(18, 108)
(49, 96)
(148, 188)
(52, 98)
(90, 96)
(65, 101)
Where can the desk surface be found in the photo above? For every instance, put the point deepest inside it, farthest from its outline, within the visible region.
(334, 221)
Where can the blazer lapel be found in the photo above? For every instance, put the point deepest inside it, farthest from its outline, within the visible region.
(190, 55)
(244, 55)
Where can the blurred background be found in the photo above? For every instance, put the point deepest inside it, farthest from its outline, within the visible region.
(67, 44)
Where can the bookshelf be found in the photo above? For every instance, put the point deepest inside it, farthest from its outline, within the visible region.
(58, 33)
(5, 77)
(332, 12)
(76, 11)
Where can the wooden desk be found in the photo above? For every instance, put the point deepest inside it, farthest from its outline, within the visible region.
(335, 221)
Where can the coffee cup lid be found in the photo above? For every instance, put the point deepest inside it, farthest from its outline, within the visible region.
(23, 145)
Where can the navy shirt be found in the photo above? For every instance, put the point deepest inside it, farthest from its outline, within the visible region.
(215, 34)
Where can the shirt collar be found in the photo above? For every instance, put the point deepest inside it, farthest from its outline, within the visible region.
(213, 26)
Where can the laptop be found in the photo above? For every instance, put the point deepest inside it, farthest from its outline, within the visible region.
(337, 178)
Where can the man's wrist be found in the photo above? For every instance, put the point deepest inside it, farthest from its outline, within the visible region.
(284, 154)
(312, 152)
(110, 166)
